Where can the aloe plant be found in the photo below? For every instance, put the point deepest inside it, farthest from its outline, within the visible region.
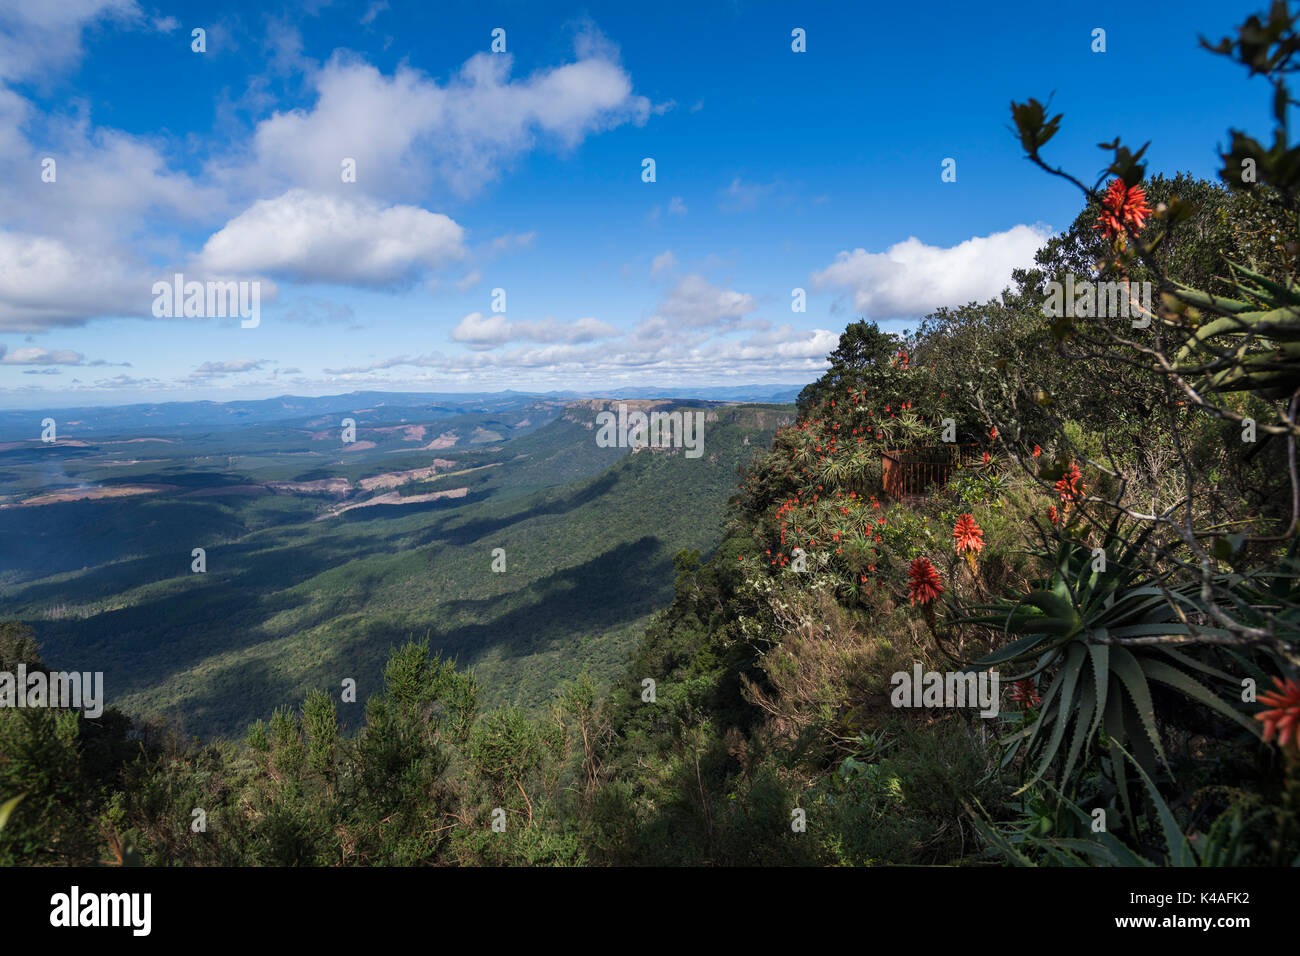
(1065, 626)
(1251, 343)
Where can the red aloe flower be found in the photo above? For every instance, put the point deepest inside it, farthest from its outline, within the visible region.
(923, 583)
(1025, 693)
(1037, 451)
(1052, 515)
(1283, 719)
(1122, 206)
(969, 537)
(1070, 485)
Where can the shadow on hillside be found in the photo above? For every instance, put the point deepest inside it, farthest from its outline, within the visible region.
(95, 535)
(260, 554)
(246, 688)
(599, 595)
(151, 642)
(477, 528)
(612, 589)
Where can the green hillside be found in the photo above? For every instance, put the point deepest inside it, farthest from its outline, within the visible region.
(299, 594)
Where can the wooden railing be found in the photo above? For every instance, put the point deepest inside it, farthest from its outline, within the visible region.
(912, 472)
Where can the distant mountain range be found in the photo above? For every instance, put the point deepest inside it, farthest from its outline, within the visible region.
(20, 424)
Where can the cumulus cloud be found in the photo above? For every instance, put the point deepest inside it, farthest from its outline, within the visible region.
(911, 279)
(46, 282)
(487, 332)
(76, 246)
(483, 331)
(782, 342)
(35, 356)
(310, 237)
(408, 132)
(108, 186)
(694, 301)
(39, 38)
(39, 356)
(84, 246)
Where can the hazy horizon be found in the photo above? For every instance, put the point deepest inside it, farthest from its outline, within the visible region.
(14, 402)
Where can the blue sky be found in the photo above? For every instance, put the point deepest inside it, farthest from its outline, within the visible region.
(522, 171)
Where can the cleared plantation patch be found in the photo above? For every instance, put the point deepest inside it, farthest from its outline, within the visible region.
(330, 486)
(394, 478)
(90, 494)
(394, 498)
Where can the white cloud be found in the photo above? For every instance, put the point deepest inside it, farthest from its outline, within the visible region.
(486, 332)
(310, 237)
(482, 331)
(231, 367)
(784, 342)
(84, 246)
(676, 206)
(696, 302)
(407, 132)
(108, 188)
(911, 279)
(642, 359)
(45, 282)
(38, 356)
(39, 39)
(77, 247)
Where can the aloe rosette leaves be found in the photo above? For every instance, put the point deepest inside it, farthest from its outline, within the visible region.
(1072, 626)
